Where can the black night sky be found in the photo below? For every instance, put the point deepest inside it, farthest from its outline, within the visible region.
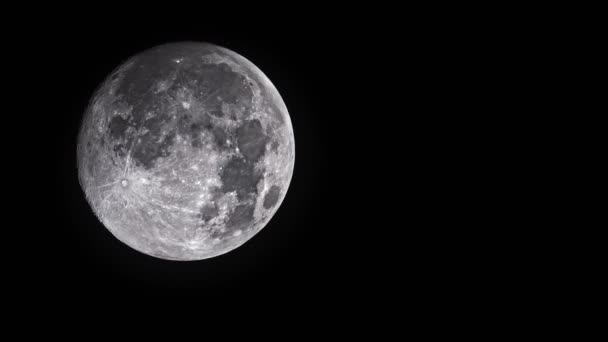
(411, 188)
(329, 226)
(356, 100)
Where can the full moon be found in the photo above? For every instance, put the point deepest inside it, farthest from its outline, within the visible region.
(185, 151)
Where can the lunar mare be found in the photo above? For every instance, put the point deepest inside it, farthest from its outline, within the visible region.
(185, 151)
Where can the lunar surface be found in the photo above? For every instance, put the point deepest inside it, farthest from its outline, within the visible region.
(185, 151)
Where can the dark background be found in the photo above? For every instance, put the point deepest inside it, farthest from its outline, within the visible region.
(330, 237)
(392, 178)
(420, 179)
(392, 174)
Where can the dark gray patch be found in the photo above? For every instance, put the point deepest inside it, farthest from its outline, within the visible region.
(220, 136)
(195, 128)
(187, 125)
(216, 234)
(217, 113)
(150, 149)
(117, 127)
(215, 84)
(211, 84)
(196, 142)
(148, 68)
(154, 144)
(240, 218)
(120, 150)
(272, 196)
(191, 125)
(149, 103)
(150, 146)
(251, 140)
(224, 67)
(275, 146)
(183, 122)
(240, 176)
(208, 212)
(195, 132)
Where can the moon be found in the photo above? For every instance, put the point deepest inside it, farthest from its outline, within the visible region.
(185, 151)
